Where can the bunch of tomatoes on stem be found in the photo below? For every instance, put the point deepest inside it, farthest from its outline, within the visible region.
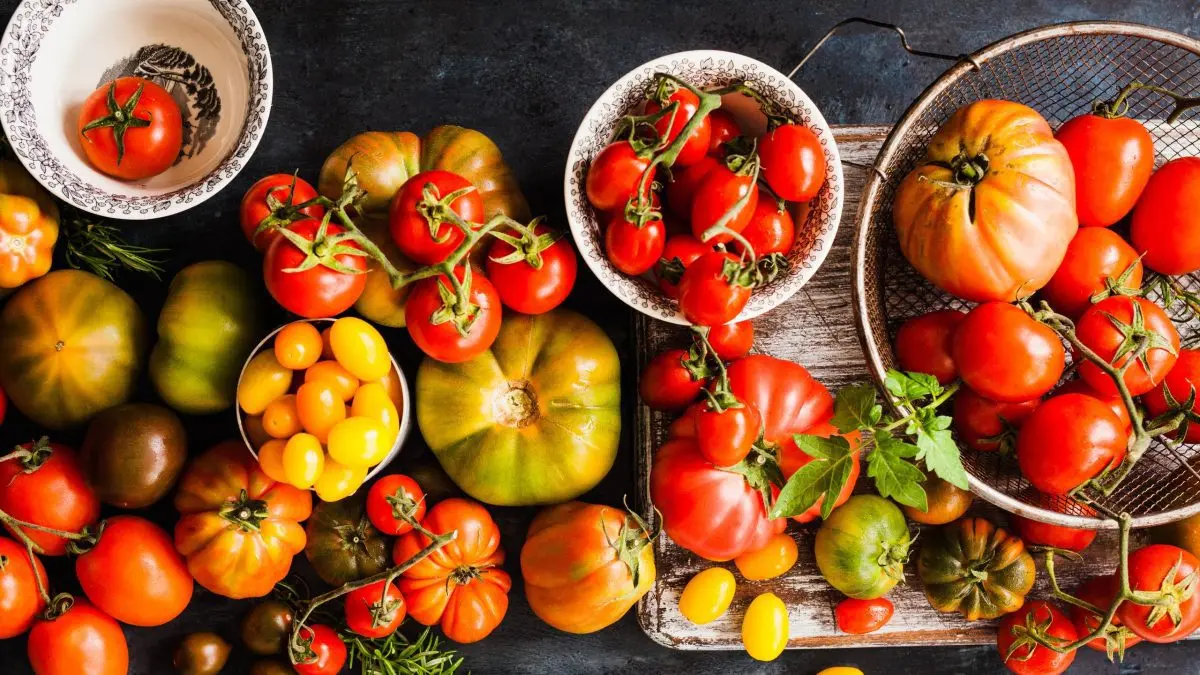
(727, 229)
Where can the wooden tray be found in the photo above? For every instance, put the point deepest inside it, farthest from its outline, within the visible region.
(815, 328)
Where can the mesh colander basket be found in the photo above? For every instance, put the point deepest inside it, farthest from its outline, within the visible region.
(1059, 71)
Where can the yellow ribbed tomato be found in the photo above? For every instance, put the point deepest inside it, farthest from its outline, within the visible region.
(28, 226)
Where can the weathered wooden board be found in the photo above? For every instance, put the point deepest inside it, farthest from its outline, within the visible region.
(816, 329)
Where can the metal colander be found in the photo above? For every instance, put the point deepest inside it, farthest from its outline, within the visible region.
(1059, 71)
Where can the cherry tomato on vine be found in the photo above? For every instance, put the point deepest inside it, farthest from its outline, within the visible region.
(725, 437)
(1006, 355)
(324, 652)
(681, 191)
(631, 248)
(424, 200)
(1163, 567)
(375, 611)
(82, 640)
(47, 488)
(1025, 657)
(989, 425)
(722, 192)
(321, 290)
(1094, 254)
(707, 595)
(770, 561)
(732, 341)
(670, 126)
(614, 176)
(1113, 401)
(392, 497)
(1182, 380)
(725, 128)
(708, 296)
(134, 574)
(1067, 441)
(276, 191)
(130, 129)
(1113, 158)
(793, 163)
(447, 336)
(20, 601)
(680, 251)
(859, 617)
(924, 343)
(667, 383)
(1106, 325)
(1166, 220)
(765, 627)
(1099, 591)
(529, 289)
(770, 229)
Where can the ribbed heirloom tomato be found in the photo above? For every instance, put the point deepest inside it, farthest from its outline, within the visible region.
(46, 486)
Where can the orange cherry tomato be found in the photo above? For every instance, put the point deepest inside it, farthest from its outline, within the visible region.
(298, 345)
(770, 561)
(281, 419)
(336, 376)
(319, 407)
(270, 459)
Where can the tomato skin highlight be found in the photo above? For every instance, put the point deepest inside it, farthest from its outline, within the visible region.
(1067, 441)
(1005, 355)
(859, 617)
(1148, 568)
(614, 176)
(793, 163)
(1166, 220)
(1036, 659)
(1093, 255)
(1095, 329)
(1113, 159)
(924, 343)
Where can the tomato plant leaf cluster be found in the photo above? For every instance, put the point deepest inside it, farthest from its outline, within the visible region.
(826, 474)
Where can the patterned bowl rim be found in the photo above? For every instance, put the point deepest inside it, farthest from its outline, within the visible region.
(654, 303)
(876, 178)
(33, 20)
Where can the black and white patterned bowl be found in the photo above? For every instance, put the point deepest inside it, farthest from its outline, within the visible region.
(211, 55)
(816, 222)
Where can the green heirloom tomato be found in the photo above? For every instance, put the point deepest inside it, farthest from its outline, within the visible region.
(972, 567)
(534, 420)
(343, 545)
(862, 548)
(207, 328)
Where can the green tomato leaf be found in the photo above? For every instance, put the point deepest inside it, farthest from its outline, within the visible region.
(941, 454)
(856, 408)
(826, 475)
(927, 382)
(896, 477)
(909, 387)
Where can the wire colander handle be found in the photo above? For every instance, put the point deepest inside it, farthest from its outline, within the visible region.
(878, 24)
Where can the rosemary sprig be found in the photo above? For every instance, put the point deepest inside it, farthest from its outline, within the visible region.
(98, 247)
(397, 655)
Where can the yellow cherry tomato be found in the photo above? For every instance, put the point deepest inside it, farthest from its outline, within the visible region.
(359, 441)
(319, 408)
(359, 348)
(281, 419)
(303, 460)
(336, 376)
(255, 432)
(338, 481)
(707, 595)
(298, 345)
(391, 382)
(770, 561)
(765, 627)
(270, 458)
(264, 381)
(841, 670)
(372, 401)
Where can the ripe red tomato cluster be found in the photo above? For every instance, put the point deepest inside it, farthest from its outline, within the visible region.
(715, 206)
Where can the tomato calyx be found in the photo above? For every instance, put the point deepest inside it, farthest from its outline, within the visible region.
(1137, 340)
(120, 118)
(671, 270)
(32, 455)
(244, 512)
(438, 210)
(57, 606)
(1178, 417)
(1029, 636)
(283, 213)
(457, 307)
(635, 535)
(761, 471)
(324, 248)
(403, 506)
(1170, 596)
(528, 246)
(1119, 285)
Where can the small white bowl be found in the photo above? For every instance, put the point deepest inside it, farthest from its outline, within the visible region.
(816, 222)
(211, 55)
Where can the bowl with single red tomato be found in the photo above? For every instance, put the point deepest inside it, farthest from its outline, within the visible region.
(323, 405)
(147, 116)
(704, 187)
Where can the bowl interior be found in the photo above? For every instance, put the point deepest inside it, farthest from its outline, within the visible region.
(816, 222)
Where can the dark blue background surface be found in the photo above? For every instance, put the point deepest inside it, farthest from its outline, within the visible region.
(525, 73)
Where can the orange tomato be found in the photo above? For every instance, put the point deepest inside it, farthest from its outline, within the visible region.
(319, 407)
(298, 345)
(391, 382)
(770, 561)
(336, 376)
(281, 419)
(270, 459)
(134, 574)
(263, 381)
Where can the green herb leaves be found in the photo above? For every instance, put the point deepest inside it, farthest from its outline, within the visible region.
(825, 475)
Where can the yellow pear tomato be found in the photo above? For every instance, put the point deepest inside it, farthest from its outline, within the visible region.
(359, 348)
(707, 595)
(263, 381)
(303, 460)
(359, 442)
(338, 481)
(765, 627)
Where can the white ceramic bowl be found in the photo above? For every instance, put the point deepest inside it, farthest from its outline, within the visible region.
(210, 54)
(816, 222)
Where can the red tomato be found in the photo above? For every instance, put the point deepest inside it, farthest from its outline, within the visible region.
(411, 215)
(531, 289)
(1067, 441)
(444, 341)
(724, 129)
(707, 295)
(1045, 534)
(1097, 329)
(770, 230)
(1166, 221)
(1113, 401)
(134, 574)
(375, 611)
(1099, 591)
(724, 438)
(858, 617)
(319, 291)
(20, 601)
(732, 341)
(989, 425)
(634, 250)
(82, 641)
(287, 190)
(924, 344)
(614, 176)
(681, 191)
(680, 251)
(667, 383)
(723, 192)
(1005, 355)
(131, 129)
(1183, 377)
(793, 163)
(671, 125)
(1150, 570)
(48, 488)
(324, 652)
(394, 502)
(1094, 254)
(1113, 158)
(1030, 658)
